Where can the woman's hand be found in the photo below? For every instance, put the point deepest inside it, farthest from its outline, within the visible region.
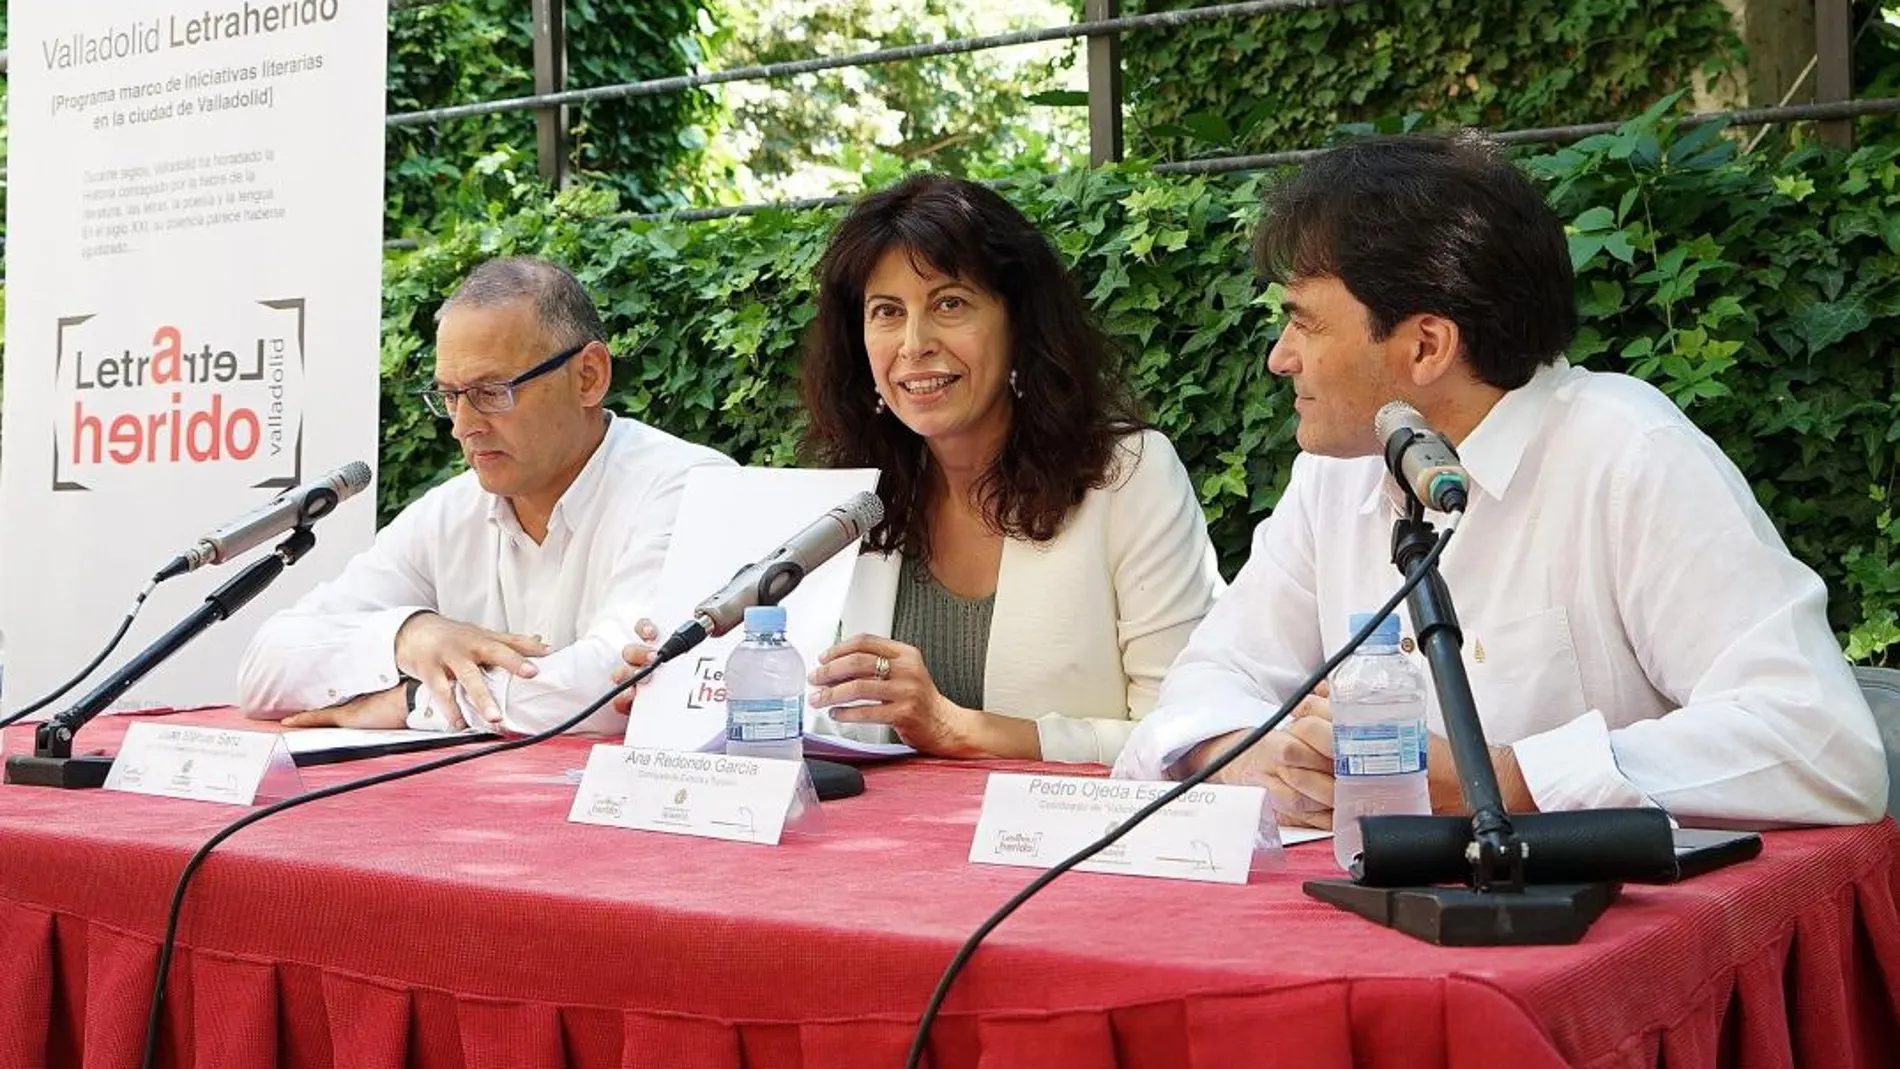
(892, 677)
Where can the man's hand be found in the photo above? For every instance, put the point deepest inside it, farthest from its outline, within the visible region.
(1448, 796)
(635, 656)
(1294, 763)
(383, 709)
(442, 653)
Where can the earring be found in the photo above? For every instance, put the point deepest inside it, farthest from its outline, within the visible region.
(879, 406)
(1013, 386)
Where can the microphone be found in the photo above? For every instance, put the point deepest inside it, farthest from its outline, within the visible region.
(298, 507)
(1421, 459)
(768, 580)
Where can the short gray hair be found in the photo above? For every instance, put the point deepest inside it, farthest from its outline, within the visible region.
(561, 303)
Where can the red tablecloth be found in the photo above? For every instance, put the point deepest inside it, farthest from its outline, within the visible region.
(458, 920)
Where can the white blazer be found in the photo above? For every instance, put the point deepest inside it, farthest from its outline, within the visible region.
(1084, 625)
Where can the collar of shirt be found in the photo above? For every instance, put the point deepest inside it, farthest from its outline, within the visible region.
(1493, 449)
(578, 496)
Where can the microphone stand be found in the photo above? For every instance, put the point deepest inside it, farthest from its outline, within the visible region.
(52, 764)
(1495, 905)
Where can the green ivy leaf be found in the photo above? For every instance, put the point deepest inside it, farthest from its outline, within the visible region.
(1825, 323)
(1794, 187)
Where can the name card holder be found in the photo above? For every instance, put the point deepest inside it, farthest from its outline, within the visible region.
(205, 765)
(739, 799)
(1214, 833)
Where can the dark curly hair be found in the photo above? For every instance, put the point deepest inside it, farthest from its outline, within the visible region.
(1074, 405)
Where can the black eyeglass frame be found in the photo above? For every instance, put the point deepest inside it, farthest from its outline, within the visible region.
(442, 403)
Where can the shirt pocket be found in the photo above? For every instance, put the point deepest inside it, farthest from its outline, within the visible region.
(1524, 675)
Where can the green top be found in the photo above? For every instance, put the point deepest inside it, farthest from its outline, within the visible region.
(952, 633)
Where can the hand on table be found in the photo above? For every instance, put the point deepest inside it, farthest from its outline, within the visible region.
(893, 678)
(442, 653)
(383, 709)
(1294, 763)
(1447, 792)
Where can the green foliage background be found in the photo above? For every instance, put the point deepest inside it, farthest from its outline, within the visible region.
(975, 114)
(1760, 292)
(1291, 78)
(462, 51)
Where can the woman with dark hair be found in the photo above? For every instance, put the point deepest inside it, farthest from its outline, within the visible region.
(1043, 555)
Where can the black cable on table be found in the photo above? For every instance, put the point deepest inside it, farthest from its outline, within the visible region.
(111, 644)
(964, 953)
(166, 948)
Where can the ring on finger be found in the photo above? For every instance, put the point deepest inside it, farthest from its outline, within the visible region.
(881, 667)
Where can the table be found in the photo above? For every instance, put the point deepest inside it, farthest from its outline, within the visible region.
(457, 919)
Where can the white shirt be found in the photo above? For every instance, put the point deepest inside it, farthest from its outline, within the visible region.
(460, 552)
(1633, 626)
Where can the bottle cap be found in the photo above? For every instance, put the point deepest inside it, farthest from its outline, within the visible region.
(1386, 635)
(763, 618)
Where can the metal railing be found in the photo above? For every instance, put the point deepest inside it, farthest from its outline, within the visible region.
(1552, 135)
(1104, 99)
(1102, 27)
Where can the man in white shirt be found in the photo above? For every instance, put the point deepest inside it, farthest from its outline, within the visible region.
(1634, 629)
(503, 597)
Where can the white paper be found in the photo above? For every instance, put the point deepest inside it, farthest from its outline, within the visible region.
(201, 764)
(839, 746)
(308, 740)
(1290, 836)
(728, 518)
(740, 799)
(1208, 834)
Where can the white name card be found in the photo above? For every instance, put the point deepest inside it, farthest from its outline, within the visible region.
(1207, 834)
(204, 764)
(742, 799)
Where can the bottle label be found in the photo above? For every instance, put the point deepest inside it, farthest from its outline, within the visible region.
(765, 719)
(1378, 749)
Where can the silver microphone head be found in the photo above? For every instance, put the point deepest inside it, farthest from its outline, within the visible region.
(772, 577)
(1394, 416)
(353, 476)
(862, 512)
(1420, 459)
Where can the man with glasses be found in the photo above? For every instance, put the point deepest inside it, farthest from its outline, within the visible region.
(502, 598)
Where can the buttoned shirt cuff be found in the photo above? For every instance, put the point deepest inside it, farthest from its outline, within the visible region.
(369, 666)
(1165, 736)
(1082, 739)
(426, 717)
(1573, 767)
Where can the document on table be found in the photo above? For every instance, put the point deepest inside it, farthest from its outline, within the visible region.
(1296, 836)
(839, 747)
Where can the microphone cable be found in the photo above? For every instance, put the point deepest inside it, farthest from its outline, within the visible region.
(964, 953)
(178, 566)
(118, 636)
(168, 945)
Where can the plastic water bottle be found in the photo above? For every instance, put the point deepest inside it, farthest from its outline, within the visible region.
(1378, 703)
(765, 690)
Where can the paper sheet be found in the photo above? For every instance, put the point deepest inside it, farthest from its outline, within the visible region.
(306, 740)
(728, 518)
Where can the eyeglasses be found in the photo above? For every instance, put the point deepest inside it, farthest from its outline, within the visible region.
(490, 398)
